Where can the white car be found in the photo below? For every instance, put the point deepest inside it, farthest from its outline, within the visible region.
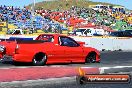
(83, 32)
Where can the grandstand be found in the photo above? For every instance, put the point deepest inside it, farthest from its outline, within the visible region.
(78, 17)
(115, 18)
(22, 18)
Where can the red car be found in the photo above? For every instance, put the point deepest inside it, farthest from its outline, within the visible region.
(48, 49)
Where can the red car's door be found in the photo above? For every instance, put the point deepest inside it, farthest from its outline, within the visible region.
(55, 54)
(73, 51)
(59, 54)
(75, 54)
(54, 51)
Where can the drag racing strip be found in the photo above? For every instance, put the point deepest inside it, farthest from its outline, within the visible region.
(65, 82)
(40, 72)
(57, 77)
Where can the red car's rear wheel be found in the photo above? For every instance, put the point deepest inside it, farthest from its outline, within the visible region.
(39, 59)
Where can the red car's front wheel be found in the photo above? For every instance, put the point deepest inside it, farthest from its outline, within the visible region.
(91, 58)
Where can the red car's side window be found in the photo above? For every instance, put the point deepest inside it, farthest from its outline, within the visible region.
(46, 38)
(66, 41)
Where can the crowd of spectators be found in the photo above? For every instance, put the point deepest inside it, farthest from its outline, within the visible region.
(26, 19)
(14, 13)
(53, 21)
(115, 18)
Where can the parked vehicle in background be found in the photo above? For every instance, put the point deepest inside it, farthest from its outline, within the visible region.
(130, 31)
(15, 32)
(87, 32)
(126, 33)
(99, 7)
(83, 32)
(48, 49)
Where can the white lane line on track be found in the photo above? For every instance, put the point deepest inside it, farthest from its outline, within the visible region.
(15, 67)
(115, 67)
(102, 69)
(65, 66)
(109, 67)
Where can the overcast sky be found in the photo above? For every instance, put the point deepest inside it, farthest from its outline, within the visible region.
(21, 3)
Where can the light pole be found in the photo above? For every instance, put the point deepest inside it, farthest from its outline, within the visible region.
(33, 14)
(34, 3)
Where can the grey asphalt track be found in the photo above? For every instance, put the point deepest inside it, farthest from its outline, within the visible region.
(108, 59)
(63, 83)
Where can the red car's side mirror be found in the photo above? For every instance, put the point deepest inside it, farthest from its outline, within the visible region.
(81, 43)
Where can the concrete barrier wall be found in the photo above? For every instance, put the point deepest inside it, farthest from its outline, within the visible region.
(100, 43)
(106, 43)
